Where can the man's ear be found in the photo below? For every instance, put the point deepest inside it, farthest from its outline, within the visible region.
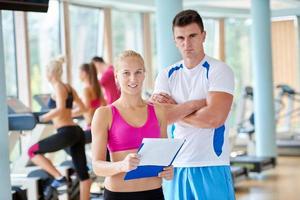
(175, 41)
(204, 36)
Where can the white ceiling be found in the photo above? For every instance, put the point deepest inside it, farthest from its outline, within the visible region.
(217, 8)
(241, 4)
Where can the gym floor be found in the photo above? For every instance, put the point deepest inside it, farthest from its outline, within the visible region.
(281, 183)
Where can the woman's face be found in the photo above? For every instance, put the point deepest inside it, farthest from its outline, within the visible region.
(82, 75)
(49, 74)
(131, 75)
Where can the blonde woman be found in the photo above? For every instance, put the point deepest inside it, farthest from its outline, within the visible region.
(69, 135)
(121, 127)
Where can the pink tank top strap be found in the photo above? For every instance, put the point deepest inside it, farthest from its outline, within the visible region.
(151, 112)
(95, 103)
(113, 110)
(115, 113)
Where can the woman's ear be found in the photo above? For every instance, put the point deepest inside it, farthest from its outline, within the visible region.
(116, 77)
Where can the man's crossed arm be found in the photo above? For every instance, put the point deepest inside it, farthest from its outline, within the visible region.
(205, 113)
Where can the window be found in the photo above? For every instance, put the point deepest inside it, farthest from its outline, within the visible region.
(9, 53)
(210, 44)
(238, 47)
(154, 47)
(127, 32)
(44, 44)
(86, 26)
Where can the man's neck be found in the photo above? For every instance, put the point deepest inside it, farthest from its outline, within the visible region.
(102, 68)
(193, 62)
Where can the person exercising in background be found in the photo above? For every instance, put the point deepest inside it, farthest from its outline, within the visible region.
(106, 79)
(92, 96)
(69, 135)
(121, 127)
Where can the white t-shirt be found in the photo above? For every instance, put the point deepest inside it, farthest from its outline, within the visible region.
(203, 146)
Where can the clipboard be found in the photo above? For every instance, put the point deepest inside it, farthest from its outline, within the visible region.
(152, 163)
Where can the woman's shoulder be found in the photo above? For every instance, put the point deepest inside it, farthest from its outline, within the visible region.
(59, 88)
(103, 110)
(103, 114)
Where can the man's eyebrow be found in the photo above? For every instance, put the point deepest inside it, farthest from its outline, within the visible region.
(180, 36)
(193, 34)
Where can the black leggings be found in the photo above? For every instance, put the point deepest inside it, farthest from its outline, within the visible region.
(88, 136)
(156, 194)
(71, 137)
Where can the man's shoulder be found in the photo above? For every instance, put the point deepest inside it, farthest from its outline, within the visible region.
(176, 67)
(213, 62)
(215, 65)
(109, 71)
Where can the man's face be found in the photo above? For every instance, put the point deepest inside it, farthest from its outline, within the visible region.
(189, 40)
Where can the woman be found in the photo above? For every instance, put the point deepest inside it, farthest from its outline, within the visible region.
(92, 96)
(69, 135)
(121, 127)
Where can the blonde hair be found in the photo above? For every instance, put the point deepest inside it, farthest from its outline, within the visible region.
(55, 66)
(127, 54)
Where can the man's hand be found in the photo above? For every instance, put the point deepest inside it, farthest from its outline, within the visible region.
(162, 98)
(167, 173)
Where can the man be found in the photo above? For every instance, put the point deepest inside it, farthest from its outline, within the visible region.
(106, 79)
(202, 168)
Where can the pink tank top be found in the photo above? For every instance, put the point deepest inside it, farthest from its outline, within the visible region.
(123, 136)
(95, 103)
(109, 85)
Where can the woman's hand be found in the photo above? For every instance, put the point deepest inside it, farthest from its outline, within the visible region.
(41, 118)
(130, 162)
(167, 173)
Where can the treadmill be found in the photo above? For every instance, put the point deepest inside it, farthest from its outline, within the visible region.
(238, 174)
(254, 163)
(251, 162)
(287, 144)
(42, 100)
(21, 119)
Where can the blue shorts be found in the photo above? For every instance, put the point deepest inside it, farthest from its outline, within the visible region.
(200, 183)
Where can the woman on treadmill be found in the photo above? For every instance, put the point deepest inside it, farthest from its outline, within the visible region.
(92, 96)
(69, 135)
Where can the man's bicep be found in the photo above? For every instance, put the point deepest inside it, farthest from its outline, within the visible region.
(221, 79)
(219, 103)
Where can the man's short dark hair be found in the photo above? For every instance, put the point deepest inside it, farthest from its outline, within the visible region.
(187, 17)
(98, 59)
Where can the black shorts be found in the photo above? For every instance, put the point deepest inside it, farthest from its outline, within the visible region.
(156, 194)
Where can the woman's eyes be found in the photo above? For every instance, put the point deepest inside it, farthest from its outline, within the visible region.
(128, 73)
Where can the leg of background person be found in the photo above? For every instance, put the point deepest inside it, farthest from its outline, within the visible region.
(46, 165)
(85, 189)
(79, 160)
